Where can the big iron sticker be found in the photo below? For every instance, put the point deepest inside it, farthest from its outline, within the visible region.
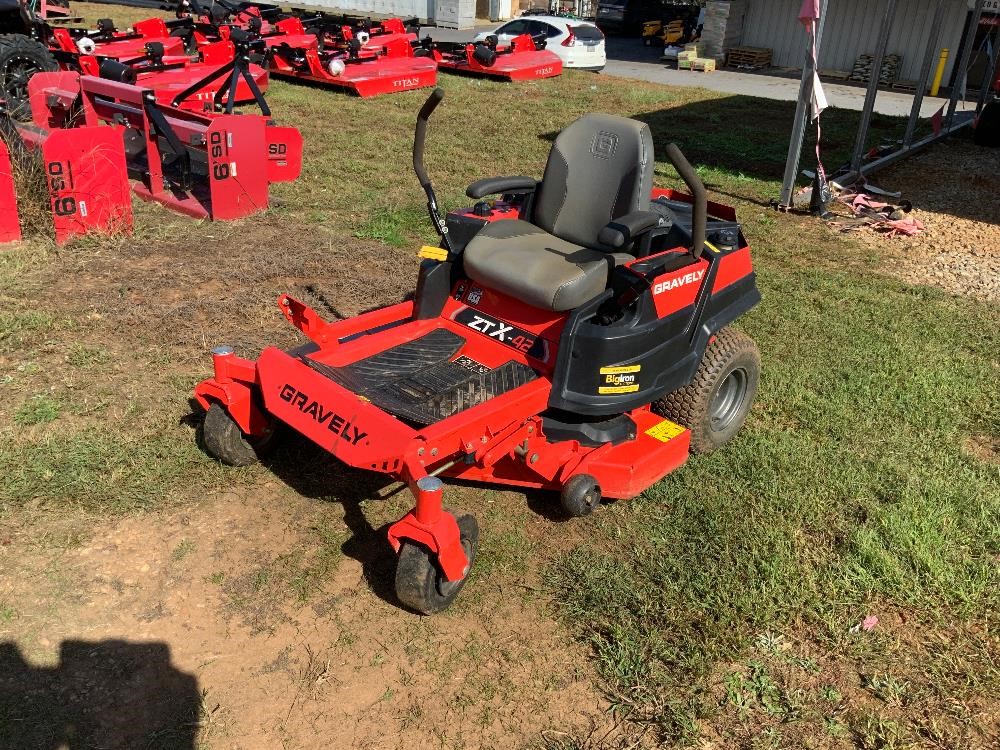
(619, 379)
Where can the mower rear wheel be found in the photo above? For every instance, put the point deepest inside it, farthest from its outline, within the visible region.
(223, 439)
(20, 58)
(580, 495)
(715, 404)
(420, 584)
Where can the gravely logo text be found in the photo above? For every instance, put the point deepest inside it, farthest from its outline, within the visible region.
(335, 423)
(688, 278)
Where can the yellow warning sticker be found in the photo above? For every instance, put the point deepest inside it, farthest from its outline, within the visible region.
(618, 388)
(665, 431)
(620, 370)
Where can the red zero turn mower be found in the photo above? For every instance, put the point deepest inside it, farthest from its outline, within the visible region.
(525, 59)
(571, 336)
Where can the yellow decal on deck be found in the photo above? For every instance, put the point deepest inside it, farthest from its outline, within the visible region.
(665, 430)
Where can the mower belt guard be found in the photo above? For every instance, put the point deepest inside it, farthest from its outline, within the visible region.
(87, 181)
(10, 225)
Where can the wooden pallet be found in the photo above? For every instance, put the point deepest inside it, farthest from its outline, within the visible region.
(750, 57)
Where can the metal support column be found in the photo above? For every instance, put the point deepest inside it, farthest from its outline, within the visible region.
(991, 75)
(963, 64)
(876, 73)
(925, 72)
(802, 109)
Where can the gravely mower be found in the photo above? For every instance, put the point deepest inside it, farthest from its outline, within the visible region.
(571, 336)
(524, 59)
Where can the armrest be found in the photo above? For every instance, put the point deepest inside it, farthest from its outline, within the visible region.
(495, 185)
(621, 231)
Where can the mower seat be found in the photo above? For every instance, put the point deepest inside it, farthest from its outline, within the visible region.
(600, 168)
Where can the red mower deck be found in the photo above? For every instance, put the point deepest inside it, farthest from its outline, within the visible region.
(522, 60)
(365, 72)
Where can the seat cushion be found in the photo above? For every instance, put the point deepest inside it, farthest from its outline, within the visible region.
(529, 264)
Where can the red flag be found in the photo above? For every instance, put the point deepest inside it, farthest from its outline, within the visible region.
(937, 120)
(809, 12)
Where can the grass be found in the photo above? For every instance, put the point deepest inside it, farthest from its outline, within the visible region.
(724, 596)
(849, 492)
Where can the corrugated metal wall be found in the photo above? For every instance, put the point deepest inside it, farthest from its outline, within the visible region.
(852, 28)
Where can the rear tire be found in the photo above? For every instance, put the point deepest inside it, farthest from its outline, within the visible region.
(20, 58)
(420, 584)
(715, 404)
(223, 439)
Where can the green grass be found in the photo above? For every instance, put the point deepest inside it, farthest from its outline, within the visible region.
(39, 409)
(848, 491)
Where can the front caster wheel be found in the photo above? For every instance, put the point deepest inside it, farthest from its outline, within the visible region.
(420, 584)
(223, 439)
(580, 495)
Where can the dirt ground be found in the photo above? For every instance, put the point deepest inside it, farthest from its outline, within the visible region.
(261, 616)
(954, 188)
(246, 666)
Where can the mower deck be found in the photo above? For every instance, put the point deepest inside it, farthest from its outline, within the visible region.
(521, 60)
(529, 66)
(369, 76)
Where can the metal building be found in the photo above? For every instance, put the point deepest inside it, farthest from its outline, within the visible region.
(852, 28)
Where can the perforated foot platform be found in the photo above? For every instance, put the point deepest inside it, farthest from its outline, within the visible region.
(417, 382)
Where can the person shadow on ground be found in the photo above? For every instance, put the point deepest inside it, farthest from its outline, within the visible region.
(101, 694)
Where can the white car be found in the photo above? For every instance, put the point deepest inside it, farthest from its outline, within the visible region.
(578, 44)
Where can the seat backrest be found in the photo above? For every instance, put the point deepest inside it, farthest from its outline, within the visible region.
(600, 168)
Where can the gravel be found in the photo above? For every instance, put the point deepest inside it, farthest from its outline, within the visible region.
(955, 191)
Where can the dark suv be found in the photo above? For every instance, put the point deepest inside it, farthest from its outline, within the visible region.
(626, 16)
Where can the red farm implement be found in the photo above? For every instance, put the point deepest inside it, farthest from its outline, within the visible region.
(107, 41)
(10, 226)
(367, 71)
(338, 51)
(157, 61)
(202, 164)
(524, 59)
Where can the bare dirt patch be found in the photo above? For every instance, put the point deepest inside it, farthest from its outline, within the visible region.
(983, 447)
(260, 631)
(224, 286)
(953, 188)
